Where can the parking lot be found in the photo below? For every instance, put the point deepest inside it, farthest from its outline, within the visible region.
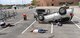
(22, 28)
(68, 30)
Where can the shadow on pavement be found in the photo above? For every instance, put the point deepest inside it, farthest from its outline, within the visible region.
(44, 23)
(70, 22)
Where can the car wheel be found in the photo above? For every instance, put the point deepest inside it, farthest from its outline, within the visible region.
(62, 11)
(41, 17)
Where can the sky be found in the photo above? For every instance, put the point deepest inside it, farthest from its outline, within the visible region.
(15, 1)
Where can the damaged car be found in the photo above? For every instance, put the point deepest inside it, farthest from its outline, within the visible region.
(64, 14)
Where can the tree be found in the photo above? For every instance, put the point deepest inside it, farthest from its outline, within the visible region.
(34, 2)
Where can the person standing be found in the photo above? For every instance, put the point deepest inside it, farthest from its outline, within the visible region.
(24, 16)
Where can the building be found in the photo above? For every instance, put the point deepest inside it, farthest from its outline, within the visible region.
(55, 2)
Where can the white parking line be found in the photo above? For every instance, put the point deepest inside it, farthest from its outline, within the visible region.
(14, 24)
(75, 23)
(51, 28)
(28, 27)
(77, 17)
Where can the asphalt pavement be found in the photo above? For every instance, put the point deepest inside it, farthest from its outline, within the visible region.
(68, 30)
(20, 24)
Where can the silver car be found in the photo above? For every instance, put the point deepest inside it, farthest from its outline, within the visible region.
(63, 15)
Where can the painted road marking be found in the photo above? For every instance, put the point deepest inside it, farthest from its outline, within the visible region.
(28, 27)
(75, 23)
(14, 24)
(77, 17)
(51, 28)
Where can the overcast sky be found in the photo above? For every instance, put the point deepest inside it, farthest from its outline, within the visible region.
(15, 1)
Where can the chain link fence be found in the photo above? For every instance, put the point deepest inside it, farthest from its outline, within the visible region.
(7, 14)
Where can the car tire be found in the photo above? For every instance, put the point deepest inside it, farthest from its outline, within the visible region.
(62, 11)
(41, 17)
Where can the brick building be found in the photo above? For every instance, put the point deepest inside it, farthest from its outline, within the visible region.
(55, 2)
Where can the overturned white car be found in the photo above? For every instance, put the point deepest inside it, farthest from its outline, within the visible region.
(63, 15)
